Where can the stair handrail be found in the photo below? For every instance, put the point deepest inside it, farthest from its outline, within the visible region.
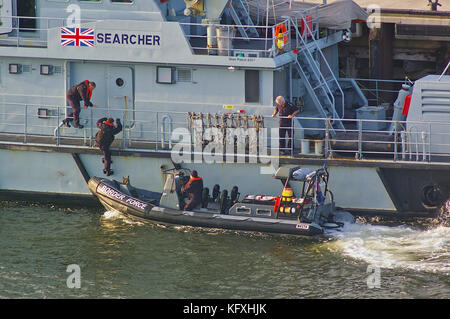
(309, 31)
(249, 24)
(320, 77)
(445, 70)
(246, 7)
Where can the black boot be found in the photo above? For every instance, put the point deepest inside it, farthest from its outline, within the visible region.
(66, 123)
(78, 126)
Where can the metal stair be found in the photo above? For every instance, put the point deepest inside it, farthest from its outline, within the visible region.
(239, 13)
(322, 90)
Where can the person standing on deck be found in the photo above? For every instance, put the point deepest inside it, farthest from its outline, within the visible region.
(286, 112)
(104, 139)
(80, 92)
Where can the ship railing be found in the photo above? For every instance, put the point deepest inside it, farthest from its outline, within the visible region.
(308, 23)
(33, 31)
(162, 131)
(225, 40)
(379, 91)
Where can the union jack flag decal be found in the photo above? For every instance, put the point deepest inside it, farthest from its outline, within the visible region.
(78, 37)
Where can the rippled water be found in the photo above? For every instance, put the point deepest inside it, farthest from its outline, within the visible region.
(122, 258)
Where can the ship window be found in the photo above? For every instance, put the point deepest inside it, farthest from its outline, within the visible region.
(120, 82)
(263, 212)
(15, 68)
(164, 75)
(27, 9)
(251, 86)
(243, 210)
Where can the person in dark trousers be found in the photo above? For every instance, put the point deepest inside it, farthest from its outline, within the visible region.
(286, 111)
(194, 188)
(80, 92)
(104, 139)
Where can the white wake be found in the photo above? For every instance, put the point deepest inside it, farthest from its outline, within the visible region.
(395, 247)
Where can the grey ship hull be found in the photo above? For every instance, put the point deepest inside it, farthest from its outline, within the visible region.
(367, 188)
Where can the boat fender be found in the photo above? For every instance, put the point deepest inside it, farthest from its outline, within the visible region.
(431, 196)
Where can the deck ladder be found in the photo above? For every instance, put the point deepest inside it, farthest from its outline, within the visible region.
(240, 13)
(321, 90)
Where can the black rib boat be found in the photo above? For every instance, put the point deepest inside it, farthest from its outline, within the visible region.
(308, 215)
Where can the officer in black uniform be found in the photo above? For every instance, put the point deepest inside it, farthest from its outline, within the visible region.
(104, 139)
(80, 92)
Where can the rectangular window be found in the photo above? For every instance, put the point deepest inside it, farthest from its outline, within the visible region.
(123, 1)
(27, 9)
(263, 212)
(164, 75)
(244, 210)
(251, 86)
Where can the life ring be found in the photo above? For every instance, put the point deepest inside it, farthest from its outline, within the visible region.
(281, 36)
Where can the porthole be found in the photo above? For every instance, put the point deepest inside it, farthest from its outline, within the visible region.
(120, 82)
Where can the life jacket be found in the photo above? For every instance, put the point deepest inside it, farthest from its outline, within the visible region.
(88, 90)
(191, 180)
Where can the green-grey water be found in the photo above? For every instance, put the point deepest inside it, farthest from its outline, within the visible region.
(122, 258)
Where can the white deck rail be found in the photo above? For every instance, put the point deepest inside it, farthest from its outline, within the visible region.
(151, 131)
